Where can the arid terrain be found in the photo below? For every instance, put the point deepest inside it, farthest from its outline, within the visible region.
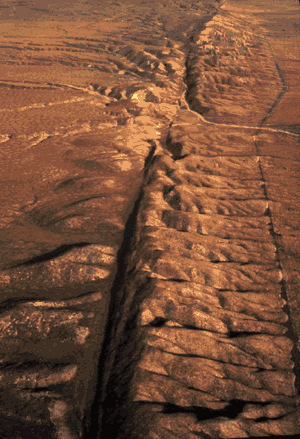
(149, 219)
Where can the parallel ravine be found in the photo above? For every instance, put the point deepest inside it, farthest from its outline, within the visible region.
(200, 343)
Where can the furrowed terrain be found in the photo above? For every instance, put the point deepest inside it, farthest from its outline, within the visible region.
(149, 220)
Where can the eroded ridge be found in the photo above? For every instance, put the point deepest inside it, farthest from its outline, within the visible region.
(206, 348)
(230, 71)
(206, 309)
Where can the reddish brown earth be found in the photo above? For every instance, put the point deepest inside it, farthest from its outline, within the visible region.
(149, 219)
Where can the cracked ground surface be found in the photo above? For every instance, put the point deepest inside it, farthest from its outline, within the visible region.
(149, 219)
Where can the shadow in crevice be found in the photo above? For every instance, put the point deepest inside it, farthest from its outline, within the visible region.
(233, 409)
(120, 350)
(59, 251)
(122, 345)
(158, 322)
(175, 148)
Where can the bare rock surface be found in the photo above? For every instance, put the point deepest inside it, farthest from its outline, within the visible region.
(149, 221)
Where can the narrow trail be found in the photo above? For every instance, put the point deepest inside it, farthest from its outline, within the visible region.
(259, 128)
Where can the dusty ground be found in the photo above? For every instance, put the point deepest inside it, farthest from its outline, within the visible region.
(149, 219)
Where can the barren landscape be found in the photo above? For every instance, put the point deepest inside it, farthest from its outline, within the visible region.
(149, 219)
